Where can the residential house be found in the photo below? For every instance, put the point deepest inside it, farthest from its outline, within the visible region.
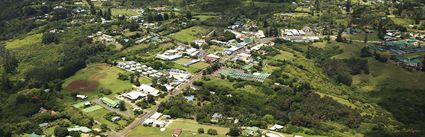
(177, 132)
(211, 58)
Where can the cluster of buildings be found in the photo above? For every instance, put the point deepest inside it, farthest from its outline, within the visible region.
(104, 38)
(180, 51)
(407, 49)
(141, 92)
(133, 66)
(157, 120)
(304, 35)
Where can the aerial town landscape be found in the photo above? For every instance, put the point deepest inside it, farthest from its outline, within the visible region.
(212, 68)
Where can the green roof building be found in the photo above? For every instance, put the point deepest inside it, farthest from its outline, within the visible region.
(109, 102)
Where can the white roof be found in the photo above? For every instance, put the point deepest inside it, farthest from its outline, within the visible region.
(212, 56)
(148, 121)
(133, 95)
(157, 115)
(81, 96)
(149, 90)
(276, 126)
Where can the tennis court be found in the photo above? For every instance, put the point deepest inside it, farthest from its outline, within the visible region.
(92, 108)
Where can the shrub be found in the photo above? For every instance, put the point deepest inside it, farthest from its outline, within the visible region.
(201, 130)
(212, 132)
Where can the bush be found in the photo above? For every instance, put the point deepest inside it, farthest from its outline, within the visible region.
(212, 132)
(201, 130)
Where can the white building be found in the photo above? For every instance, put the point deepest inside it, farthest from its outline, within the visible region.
(148, 90)
(134, 95)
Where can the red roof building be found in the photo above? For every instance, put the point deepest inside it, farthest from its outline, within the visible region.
(177, 132)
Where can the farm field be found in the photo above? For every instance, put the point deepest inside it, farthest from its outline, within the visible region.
(94, 77)
(189, 128)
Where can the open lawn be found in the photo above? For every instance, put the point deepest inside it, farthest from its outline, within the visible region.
(213, 49)
(200, 65)
(182, 61)
(189, 128)
(126, 12)
(25, 41)
(145, 80)
(95, 76)
(98, 116)
(361, 37)
(203, 17)
(190, 34)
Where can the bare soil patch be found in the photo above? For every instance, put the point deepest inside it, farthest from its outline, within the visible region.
(82, 86)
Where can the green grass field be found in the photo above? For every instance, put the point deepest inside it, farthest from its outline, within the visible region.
(189, 128)
(105, 75)
(200, 65)
(182, 61)
(25, 41)
(190, 34)
(126, 12)
(98, 116)
(145, 80)
(361, 37)
(213, 49)
(203, 17)
(92, 108)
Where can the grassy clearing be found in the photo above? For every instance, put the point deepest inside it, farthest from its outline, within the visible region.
(105, 75)
(190, 34)
(189, 128)
(361, 37)
(126, 12)
(98, 116)
(204, 17)
(25, 41)
(350, 50)
(200, 65)
(182, 61)
(145, 80)
(389, 76)
(213, 49)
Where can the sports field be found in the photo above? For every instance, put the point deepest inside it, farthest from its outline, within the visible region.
(95, 76)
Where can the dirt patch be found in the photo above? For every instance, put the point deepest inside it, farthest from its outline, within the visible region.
(82, 86)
